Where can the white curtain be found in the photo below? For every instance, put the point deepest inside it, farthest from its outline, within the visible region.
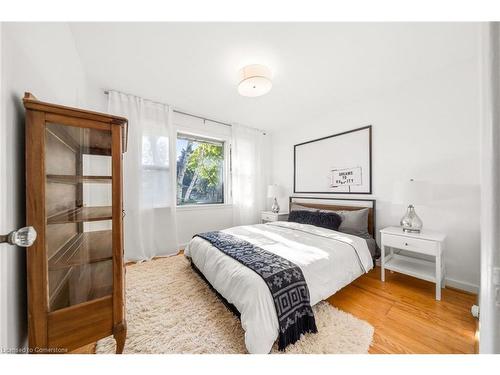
(250, 173)
(150, 226)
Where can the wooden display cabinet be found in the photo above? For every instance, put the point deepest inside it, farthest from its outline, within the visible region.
(74, 201)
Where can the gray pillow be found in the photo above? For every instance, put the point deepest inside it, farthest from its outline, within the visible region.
(354, 222)
(298, 207)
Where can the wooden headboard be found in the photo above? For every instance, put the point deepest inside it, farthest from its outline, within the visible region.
(336, 204)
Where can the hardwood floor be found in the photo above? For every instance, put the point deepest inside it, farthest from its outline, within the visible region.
(407, 318)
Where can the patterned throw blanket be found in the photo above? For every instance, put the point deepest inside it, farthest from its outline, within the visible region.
(284, 279)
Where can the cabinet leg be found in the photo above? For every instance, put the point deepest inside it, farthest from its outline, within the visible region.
(120, 334)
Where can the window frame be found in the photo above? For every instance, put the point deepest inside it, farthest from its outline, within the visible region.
(226, 172)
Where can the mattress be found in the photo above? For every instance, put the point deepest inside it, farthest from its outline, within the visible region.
(329, 261)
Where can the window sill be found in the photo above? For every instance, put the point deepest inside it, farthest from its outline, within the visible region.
(196, 207)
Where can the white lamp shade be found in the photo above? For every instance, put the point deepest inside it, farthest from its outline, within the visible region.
(412, 192)
(255, 80)
(273, 191)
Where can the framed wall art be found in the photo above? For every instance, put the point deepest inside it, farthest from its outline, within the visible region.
(337, 164)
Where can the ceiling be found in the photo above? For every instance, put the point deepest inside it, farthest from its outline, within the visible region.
(317, 67)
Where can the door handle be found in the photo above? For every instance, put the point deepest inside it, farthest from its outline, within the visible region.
(23, 237)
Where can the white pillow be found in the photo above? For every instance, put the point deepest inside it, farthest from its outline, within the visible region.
(298, 207)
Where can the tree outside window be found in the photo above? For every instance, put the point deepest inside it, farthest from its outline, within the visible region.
(200, 171)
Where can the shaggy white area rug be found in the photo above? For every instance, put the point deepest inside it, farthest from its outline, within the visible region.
(170, 309)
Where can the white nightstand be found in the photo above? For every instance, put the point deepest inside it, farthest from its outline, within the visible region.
(426, 242)
(267, 216)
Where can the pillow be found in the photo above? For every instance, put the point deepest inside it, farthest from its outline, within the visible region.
(328, 220)
(298, 207)
(299, 216)
(353, 222)
(356, 223)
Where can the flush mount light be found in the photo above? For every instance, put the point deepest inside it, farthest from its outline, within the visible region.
(255, 80)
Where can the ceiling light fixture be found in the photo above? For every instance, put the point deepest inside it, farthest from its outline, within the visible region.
(255, 80)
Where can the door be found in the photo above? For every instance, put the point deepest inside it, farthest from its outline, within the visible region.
(489, 314)
(13, 327)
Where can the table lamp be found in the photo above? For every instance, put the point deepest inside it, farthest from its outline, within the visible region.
(273, 191)
(410, 193)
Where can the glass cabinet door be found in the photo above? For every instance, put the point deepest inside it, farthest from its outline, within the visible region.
(78, 208)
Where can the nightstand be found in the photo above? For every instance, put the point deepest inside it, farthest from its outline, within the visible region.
(426, 242)
(267, 216)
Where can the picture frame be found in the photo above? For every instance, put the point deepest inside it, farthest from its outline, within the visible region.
(336, 164)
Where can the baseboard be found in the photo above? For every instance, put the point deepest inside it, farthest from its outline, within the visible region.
(462, 285)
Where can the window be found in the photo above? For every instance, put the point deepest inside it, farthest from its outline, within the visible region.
(200, 170)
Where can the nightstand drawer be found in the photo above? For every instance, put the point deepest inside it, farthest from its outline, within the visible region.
(269, 216)
(412, 244)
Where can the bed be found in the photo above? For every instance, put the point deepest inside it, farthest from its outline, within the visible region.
(329, 261)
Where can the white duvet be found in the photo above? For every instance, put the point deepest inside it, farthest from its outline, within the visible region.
(329, 261)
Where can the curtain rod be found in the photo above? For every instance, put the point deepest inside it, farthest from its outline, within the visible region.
(106, 92)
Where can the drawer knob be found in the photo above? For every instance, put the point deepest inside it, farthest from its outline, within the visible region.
(406, 243)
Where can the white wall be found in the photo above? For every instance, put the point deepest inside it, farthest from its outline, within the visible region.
(426, 129)
(42, 59)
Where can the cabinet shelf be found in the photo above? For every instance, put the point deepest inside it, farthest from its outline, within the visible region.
(83, 248)
(81, 214)
(73, 180)
(79, 283)
(94, 143)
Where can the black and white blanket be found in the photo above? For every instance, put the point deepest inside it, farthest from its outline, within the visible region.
(284, 279)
